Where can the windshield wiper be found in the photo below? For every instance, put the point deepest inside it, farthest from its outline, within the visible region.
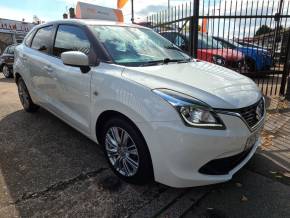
(165, 61)
(168, 60)
(172, 47)
(152, 63)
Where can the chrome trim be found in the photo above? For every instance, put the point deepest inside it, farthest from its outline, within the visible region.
(252, 129)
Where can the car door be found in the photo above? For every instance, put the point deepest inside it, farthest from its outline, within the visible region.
(73, 85)
(38, 60)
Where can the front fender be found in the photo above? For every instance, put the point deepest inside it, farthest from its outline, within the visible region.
(135, 101)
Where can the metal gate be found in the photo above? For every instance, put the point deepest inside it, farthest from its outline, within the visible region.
(248, 36)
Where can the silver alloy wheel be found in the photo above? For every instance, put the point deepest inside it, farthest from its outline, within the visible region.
(6, 71)
(122, 151)
(23, 95)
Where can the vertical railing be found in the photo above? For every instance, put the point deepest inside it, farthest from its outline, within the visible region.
(194, 29)
(235, 21)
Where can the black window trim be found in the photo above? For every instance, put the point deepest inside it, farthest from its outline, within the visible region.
(33, 31)
(97, 52)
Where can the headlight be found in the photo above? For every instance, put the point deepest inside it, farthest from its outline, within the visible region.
(193, 112)
(219, 60)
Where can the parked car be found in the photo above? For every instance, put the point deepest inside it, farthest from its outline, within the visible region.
(208, 49)
(7, 60)
(257, 59)
(156, 112)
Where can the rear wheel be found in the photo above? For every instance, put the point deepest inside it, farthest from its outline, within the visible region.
(250, 65)
(7, 72)
(25, 98)
(126, 151)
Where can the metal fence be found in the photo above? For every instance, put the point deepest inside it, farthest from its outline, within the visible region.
(248, 36)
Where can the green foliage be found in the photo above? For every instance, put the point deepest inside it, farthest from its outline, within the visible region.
(264, 29)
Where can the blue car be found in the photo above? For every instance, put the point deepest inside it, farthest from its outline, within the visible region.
(257, 59)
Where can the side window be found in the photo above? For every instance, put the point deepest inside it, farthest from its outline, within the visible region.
(170, 36)
(200, 44)
(29, 38)
(179, 41)
(10, 50)
(42, 39)
(70, 38)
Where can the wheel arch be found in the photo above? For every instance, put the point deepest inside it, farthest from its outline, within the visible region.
(1, 66)
(252, 60)
(17, 76)
(108, 114)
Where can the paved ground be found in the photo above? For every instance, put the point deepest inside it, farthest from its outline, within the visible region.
(47, 169)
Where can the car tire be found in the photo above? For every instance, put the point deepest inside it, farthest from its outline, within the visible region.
(6, 71)
(25, 98)
(250, 66)
(126, 151)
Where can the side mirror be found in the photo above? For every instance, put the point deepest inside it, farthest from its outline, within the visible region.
(76, 59)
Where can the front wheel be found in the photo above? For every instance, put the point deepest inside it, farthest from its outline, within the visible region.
(25, 98)
(7, 72)
(126, 151)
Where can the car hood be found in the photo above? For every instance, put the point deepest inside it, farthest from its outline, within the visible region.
(217, 86)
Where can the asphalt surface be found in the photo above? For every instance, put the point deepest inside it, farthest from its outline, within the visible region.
(48, 169)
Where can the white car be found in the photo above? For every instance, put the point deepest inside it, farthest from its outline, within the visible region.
(158, 113)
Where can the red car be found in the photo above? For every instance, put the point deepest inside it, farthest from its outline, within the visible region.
(209, 49)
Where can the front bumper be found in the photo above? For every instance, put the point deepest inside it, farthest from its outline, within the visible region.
(179, 152)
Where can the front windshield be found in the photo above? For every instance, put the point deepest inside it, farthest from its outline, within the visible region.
(132, 46)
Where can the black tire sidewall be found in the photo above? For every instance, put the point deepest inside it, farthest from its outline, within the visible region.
(251, 65)
(31, 106)
(145, 170)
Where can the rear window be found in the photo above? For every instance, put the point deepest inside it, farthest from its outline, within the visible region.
(11, 50)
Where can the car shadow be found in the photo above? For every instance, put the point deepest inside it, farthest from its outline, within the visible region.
(7, 80)
(38, 150)
(41, 154)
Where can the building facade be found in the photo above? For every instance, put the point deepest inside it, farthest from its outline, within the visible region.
(12, 32)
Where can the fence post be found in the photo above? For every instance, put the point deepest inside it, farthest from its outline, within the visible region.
(286, 71)
(277, 27)
(194, 29)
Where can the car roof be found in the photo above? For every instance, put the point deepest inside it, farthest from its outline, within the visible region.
(90, 22)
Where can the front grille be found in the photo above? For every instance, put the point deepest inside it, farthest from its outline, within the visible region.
(250, 113)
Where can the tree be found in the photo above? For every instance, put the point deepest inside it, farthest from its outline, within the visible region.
(263, 30)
